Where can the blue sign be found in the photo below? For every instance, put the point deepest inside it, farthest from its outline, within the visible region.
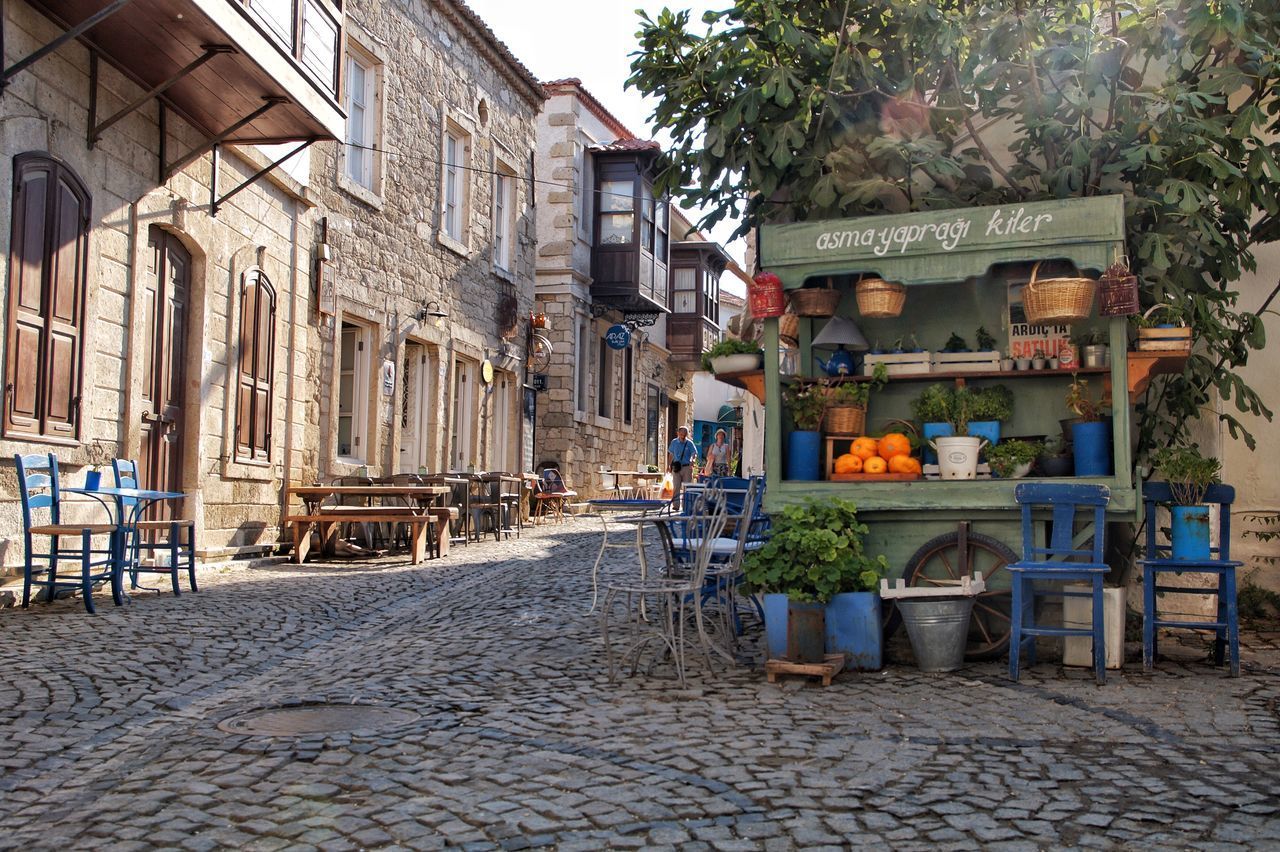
(618, 336)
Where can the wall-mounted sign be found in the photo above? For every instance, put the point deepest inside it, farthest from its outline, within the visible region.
(388, 377)
(618, 336)
(486, 371)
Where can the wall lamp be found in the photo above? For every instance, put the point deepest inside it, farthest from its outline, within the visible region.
(430, 309)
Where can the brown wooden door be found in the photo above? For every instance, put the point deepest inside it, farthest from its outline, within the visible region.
(165, 300)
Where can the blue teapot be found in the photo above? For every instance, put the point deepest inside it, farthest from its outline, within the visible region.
(839, 364)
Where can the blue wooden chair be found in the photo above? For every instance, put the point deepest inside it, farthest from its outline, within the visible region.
(1226, 626)
(41, 494)
(1064, 560)
(153, 536)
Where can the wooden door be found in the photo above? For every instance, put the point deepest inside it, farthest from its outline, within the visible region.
(165, 299)
(415, 407)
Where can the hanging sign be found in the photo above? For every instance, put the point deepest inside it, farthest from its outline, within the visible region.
(618, 337)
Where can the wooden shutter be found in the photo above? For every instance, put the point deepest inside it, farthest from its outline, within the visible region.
(48, 259)
(257, 363)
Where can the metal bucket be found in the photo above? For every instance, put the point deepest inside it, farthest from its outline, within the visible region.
(939, 630)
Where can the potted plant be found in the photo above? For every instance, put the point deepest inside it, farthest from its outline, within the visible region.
(1022, 363)
(846, 412)
(1163, 328)
(932, 409)
(1038, 359)
(1055, 458)
(1012, 459)
(955, 343)
(990, 406)
(733, 356)
(807, 402)
(1007, 363)
(814, 564)
(1189, 475)
(986, 343)
(957, 451)
(1092, 346)
(1090, 436)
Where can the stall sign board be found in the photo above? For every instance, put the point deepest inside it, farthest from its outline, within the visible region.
(1025, 338)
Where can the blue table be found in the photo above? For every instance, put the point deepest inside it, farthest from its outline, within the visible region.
(605, 507)
(143, 499)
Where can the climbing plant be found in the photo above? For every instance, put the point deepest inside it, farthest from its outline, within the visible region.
(785, 111)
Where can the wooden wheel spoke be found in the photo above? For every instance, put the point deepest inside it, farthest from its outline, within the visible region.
(992, 611)
(982, 628)
(951, 571)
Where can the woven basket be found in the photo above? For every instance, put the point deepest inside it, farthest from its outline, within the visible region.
(789, 326)
(815, 301)
(878, 298)
(845, 420)
(1057, 300)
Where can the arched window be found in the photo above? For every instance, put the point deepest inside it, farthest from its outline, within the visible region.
(257, 365)
(48, 266)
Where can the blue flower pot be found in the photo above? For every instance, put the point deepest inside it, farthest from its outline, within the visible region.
(929, 432)
(804, 454)
(854, 629)
(1189, 531)
(775, 626)
(1091, 446)
(989, 429)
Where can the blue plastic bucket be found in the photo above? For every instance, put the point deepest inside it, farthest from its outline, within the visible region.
(804, 452)
(1091, 445)
(1189, 531)
(775, 626)
(853, 629)
(928, 433)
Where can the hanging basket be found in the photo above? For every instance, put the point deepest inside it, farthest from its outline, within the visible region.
(815, 301)
(845, 420)
(878, 299)
(1118, 291)
(1057, 300)
(1172, 339)
(789, 327)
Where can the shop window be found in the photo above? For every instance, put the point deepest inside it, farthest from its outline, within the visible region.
(257, 365)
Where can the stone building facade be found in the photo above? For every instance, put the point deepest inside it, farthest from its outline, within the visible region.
(137, 323)
(427, 215)
(603, 408)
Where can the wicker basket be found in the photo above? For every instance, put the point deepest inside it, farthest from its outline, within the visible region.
(1057, 300)
(845, 420)
(815, 301)
(789, 327)
(878, 299)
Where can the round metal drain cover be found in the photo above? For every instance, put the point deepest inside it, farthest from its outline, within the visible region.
(304, 719)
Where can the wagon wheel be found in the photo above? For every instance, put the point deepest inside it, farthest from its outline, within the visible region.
(539, 354)
(938, 559)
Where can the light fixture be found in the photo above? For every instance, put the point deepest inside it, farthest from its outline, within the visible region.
(843, 333)
(432, 309)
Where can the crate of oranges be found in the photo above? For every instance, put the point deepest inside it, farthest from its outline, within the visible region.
(871, 459)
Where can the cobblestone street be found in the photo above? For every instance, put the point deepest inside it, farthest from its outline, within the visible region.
(112, 737)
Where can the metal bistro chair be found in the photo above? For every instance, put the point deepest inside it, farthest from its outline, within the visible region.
(1226, 624)
(179, 554)
(552, 494)
(39, 489)
(1063, 560)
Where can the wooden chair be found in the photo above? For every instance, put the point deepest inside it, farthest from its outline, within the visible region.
(160, 535)
(552, 494)
(1062, 561)
(1226, 624)
(39, 490)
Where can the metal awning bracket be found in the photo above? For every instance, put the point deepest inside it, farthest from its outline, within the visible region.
(168, 171)
(215, 202)
(71, 34)
(97, 129)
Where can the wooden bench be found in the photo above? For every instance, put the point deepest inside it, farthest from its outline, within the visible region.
(327, 519)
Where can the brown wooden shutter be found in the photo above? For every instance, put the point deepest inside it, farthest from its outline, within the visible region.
(257, 362)
(48, 260)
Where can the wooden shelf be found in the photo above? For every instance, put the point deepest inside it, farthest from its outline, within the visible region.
(1144, 365)
(985, 374)
(750, 380)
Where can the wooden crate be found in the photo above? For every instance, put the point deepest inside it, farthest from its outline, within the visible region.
(874, 477)
(966, 362)
(905, 364)
(827, 670)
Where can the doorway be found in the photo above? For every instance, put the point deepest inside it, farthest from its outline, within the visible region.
(416, 393)
(166, 301)
(462, 431)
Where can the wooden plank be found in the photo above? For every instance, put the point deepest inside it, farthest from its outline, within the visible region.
(874, 477)
(826, 670)
(921, 497)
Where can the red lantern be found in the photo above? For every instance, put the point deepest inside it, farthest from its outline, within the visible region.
(765, 294)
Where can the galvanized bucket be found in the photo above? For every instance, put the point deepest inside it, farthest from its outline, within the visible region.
(939, 630)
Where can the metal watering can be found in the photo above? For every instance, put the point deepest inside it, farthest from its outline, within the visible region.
(839, 364)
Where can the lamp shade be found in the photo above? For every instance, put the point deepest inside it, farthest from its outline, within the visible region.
(840, 331)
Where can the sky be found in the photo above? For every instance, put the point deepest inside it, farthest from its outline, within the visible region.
(591, 40)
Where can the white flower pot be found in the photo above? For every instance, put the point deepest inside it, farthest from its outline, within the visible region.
(958, 457)
(740, 363)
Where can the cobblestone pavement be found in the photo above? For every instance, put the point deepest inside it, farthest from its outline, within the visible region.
(111, 738)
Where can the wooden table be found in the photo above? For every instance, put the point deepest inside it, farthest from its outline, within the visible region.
(431, 507)
(642, 477)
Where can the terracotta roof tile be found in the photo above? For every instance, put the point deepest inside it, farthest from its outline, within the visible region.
(504, 53)
(573, 86)
(627, 145)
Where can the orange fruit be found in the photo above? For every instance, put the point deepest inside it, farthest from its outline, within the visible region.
(903, 464)
(893, 444)
(864, 448)
(849, 463)
(875, 464)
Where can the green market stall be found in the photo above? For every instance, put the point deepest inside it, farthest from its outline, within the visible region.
(960, 268)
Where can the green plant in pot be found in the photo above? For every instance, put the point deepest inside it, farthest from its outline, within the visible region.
(814, 556)
(990, 407)
(1189, 476)
(1012, 459)
(1055, 457)
(1091, 435)
(807, 404)
(847, 401)
(732, 356)
(945, 414)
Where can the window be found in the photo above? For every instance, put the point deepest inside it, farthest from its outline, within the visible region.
(257, 365)
(628, 377)
(582, 346)
(48, 263)
(319, 48)
(457, 155)
(278, 16)
(586, 180)
(617, 216)
(711, 295)
(653, 446)
(660, 240)
(604, 403)
(684, 283)
(353, 393)
(363, 160)
(504, 217)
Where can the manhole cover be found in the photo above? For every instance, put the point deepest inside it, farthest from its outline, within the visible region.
(303, 719)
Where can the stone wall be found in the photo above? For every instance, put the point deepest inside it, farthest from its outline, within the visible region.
(45, 108)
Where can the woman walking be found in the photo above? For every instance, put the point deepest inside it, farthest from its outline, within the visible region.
(718, 455)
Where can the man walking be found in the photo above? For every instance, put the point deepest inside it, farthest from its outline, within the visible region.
(682, 454)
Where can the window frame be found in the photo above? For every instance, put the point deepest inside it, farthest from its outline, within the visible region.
(59, 175)
(360, 378)
(604, 379)
(504, 218)
(255, 451)
(582, 368)
(370, 188)
(455, 167)
(628, 381)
